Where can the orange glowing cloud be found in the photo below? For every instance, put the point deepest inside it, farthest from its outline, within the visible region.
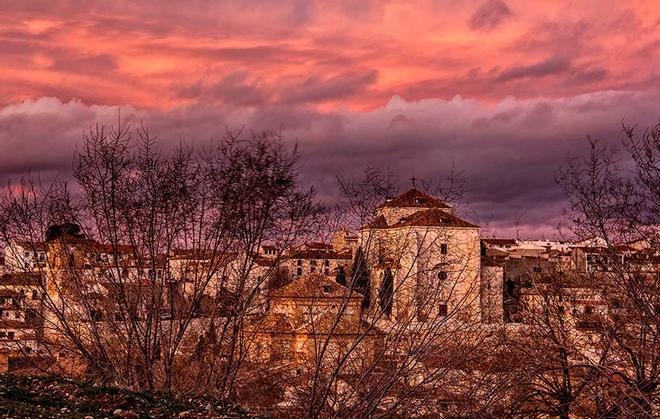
(350, 54)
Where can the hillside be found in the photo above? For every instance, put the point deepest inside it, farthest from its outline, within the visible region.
(45, 397)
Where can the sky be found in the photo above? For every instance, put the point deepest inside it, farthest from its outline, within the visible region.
(504, 91)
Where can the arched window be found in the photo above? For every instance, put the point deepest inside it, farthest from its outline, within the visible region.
(386, 292)
(442, 276)
(341, 276)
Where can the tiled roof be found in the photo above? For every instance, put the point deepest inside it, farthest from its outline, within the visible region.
(15, 324)
(434, 217)
(317, 245)
(9, 293)
(500, 242)
(318, 254)
(313, 286)
(262, 261)
(21, 278)
(496, 253)
(30, 245)
(414, 198)
(328, 323)
(273, 323)
(378, 222)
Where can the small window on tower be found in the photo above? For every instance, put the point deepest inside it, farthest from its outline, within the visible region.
(443, 248)
(442, 310)
(442, 275)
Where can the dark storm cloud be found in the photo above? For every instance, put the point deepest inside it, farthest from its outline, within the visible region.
(316, 88)
(509, 152)
(489, 15)
(551, 66)
(234, 89)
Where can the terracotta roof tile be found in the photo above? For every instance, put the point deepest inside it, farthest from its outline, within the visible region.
(434, 217)
(15, 324)
(21, 278)
(378, 222)
(273, 323)
(318, 254)
(33, 246)
(313, 286)
(414, 198)
(500, 242)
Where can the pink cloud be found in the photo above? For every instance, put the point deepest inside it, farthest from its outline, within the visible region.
(503, 88)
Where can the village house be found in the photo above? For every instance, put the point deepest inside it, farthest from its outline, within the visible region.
(311, 311)
(21, 326)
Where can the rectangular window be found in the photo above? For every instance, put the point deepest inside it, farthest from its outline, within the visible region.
(443, 248)
(442, 310)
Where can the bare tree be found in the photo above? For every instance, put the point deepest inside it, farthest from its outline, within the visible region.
(151, 256)
(615, 196)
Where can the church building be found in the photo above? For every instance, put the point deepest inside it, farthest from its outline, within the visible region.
(423, 261)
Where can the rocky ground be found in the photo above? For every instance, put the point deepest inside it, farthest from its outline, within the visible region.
(47, 397)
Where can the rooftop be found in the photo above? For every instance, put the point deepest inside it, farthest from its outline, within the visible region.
(414, 198)
(433, 217)
(313, 286)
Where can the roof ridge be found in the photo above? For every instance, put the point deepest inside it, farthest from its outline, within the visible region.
(414, 197)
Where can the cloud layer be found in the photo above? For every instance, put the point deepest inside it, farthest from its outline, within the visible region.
(508, 151)
(502, 89)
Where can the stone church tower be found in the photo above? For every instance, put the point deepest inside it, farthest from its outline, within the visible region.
(424, 261)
